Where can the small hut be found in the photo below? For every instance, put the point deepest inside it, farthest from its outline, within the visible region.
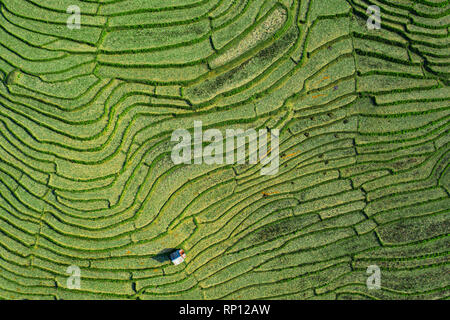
(177, 256)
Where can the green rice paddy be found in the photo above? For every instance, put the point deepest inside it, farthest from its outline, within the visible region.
(87, 180)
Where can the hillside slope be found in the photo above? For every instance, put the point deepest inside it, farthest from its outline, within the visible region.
(87, 180)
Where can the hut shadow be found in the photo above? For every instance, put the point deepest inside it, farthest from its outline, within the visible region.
(164, 255)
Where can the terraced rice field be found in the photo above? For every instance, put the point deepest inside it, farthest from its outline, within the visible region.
(87, 180)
